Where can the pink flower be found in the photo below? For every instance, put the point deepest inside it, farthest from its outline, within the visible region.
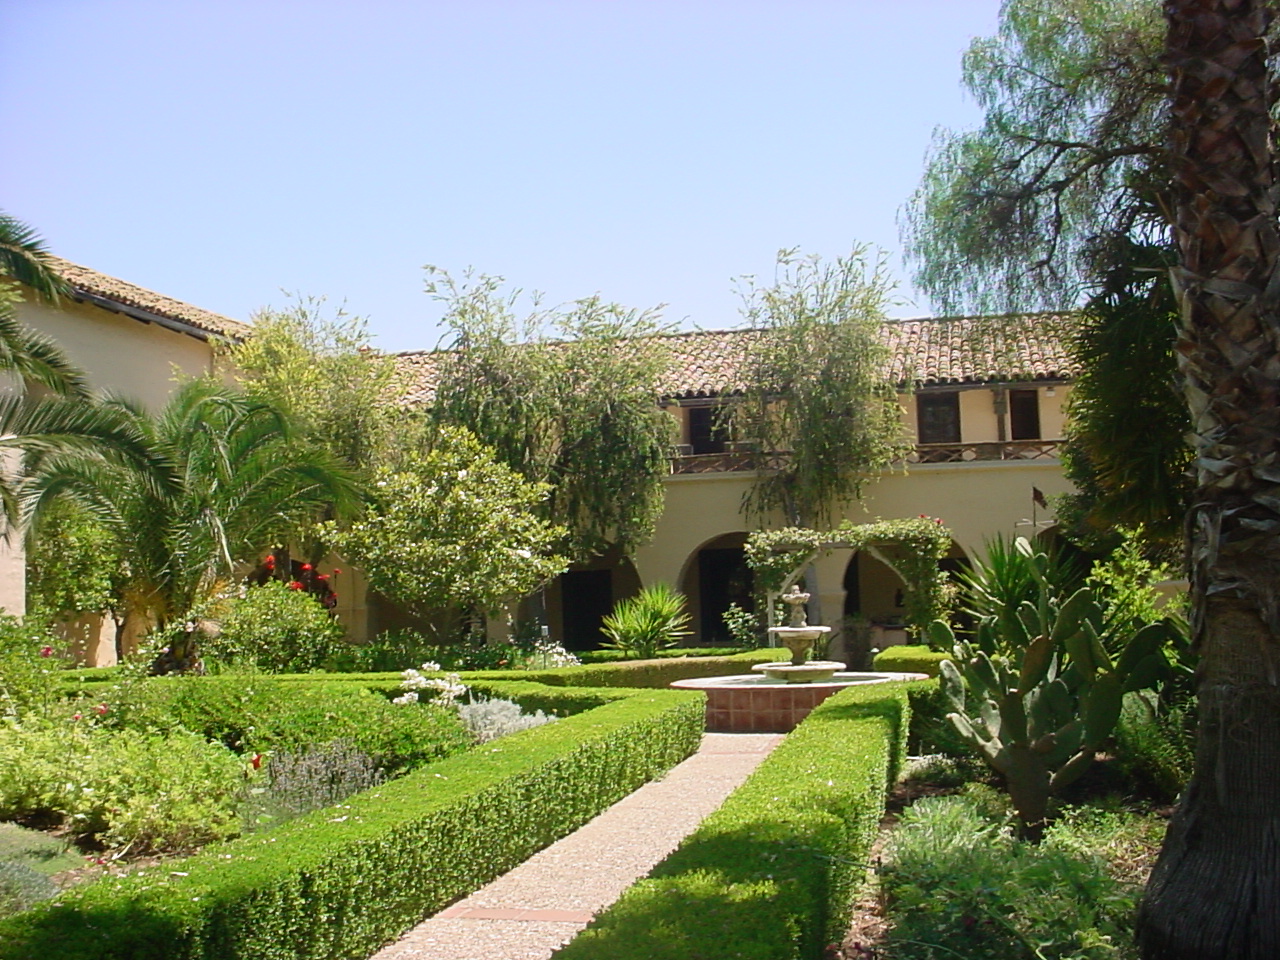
(46, 651)
(101, 709)
(77, 717)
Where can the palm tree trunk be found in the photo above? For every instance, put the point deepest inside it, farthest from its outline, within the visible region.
(1215, 891)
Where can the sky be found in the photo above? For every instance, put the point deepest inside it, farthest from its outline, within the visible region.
(234, 154)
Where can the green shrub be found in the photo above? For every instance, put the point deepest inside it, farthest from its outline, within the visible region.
(124, 788)
(772, 873)
(342, 886)
(405, 648)
(957, 884)
(1156, 745)
(656, 674)
(654, 619)
(258, 714)
(909, 659)
(276, 628)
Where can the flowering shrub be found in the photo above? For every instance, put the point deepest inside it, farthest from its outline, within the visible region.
(447, 689)
(276, 628)
(30, 661)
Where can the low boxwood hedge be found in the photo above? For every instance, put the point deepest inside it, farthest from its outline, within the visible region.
(343, 881)
(651, 674)
(909, 659)
(772, 873)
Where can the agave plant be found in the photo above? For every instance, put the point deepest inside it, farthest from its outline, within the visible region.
(652, 620)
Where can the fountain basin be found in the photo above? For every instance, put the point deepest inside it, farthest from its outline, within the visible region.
(811, 671)
(750, 703)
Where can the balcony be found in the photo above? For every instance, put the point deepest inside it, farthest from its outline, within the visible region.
(739, 461)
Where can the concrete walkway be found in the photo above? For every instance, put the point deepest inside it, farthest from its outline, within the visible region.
(543, 903)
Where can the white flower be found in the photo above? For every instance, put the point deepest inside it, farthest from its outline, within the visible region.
(405, 698)
(431, 667)
(524, 553)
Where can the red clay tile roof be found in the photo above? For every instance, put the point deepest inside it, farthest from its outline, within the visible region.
(96, 285)
(929, 352)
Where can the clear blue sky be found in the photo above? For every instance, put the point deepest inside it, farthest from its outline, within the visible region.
(219, 151)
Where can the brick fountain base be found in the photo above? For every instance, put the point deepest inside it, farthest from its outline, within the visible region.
(754, 704)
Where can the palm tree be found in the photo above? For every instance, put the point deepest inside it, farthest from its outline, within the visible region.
(1215, 891)
(240, 483)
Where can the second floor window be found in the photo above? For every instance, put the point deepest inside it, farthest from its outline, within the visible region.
(938, 417)
(707, 430)
(1024, 415)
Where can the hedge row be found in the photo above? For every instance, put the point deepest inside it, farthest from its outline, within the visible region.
(909, 659)
(772, 873)
(652, 674)
(343, 881)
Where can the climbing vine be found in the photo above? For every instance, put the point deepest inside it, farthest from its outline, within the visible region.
(778, 557)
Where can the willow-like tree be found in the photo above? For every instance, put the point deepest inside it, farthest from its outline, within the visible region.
(1215, 891)
(818, 391)
(567, 397)
(1062, 195)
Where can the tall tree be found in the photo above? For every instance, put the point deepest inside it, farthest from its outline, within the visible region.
(566, 397)
(1063, 195)
(817, 389)
(1215, 891)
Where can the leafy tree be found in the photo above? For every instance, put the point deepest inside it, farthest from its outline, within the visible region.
(817, 389)
(321, 371)
(73, 564)
(1062, 193)
(566, 397)
(457, 527)
(239, 483)
(1213, 892)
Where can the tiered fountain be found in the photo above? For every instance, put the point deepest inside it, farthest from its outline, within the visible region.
(788, 690)
(798, 637)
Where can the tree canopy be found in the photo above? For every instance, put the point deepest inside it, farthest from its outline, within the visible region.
(818, 388)
(566, 397)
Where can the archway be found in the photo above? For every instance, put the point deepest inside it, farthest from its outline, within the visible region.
(716, 576)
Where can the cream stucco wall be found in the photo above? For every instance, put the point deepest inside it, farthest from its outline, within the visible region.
(118, 353)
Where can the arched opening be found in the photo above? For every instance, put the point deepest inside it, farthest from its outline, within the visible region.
(579, 599)
(874, 608)
(716, 577)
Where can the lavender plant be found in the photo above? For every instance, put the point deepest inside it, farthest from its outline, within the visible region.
(298, 783)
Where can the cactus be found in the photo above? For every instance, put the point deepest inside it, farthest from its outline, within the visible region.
(1040, 717)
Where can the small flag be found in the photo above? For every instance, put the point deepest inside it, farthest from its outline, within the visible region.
(1038, 498)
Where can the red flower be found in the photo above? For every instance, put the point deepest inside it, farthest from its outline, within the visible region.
(336, 571)
(270, 561)
(306, 566)
(256, 762)
(322, 576)
(101, 709)
(295, 585)
(46, 651)
(77, 717)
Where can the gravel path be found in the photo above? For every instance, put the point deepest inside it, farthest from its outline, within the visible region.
(543, 903)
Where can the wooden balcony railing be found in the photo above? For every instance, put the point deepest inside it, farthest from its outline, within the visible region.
(750, 461)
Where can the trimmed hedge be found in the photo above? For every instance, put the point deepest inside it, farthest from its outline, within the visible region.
(343, 881)
(650, 674)
(772, 873)
(909, 659)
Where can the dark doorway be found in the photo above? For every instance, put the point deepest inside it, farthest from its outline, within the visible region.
(707, 430)
(724, 578)
(852, 587)
(586, 599)
(1024, 415)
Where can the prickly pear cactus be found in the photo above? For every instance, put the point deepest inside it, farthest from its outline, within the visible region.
(1039, 718)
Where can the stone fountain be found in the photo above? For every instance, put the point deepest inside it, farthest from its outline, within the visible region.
(798, 637)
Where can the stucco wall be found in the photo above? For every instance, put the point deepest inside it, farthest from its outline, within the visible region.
(117, 353)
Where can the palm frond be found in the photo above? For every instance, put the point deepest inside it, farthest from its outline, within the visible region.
(23, 257)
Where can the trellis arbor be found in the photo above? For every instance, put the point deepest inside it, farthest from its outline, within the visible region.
(779, 557)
